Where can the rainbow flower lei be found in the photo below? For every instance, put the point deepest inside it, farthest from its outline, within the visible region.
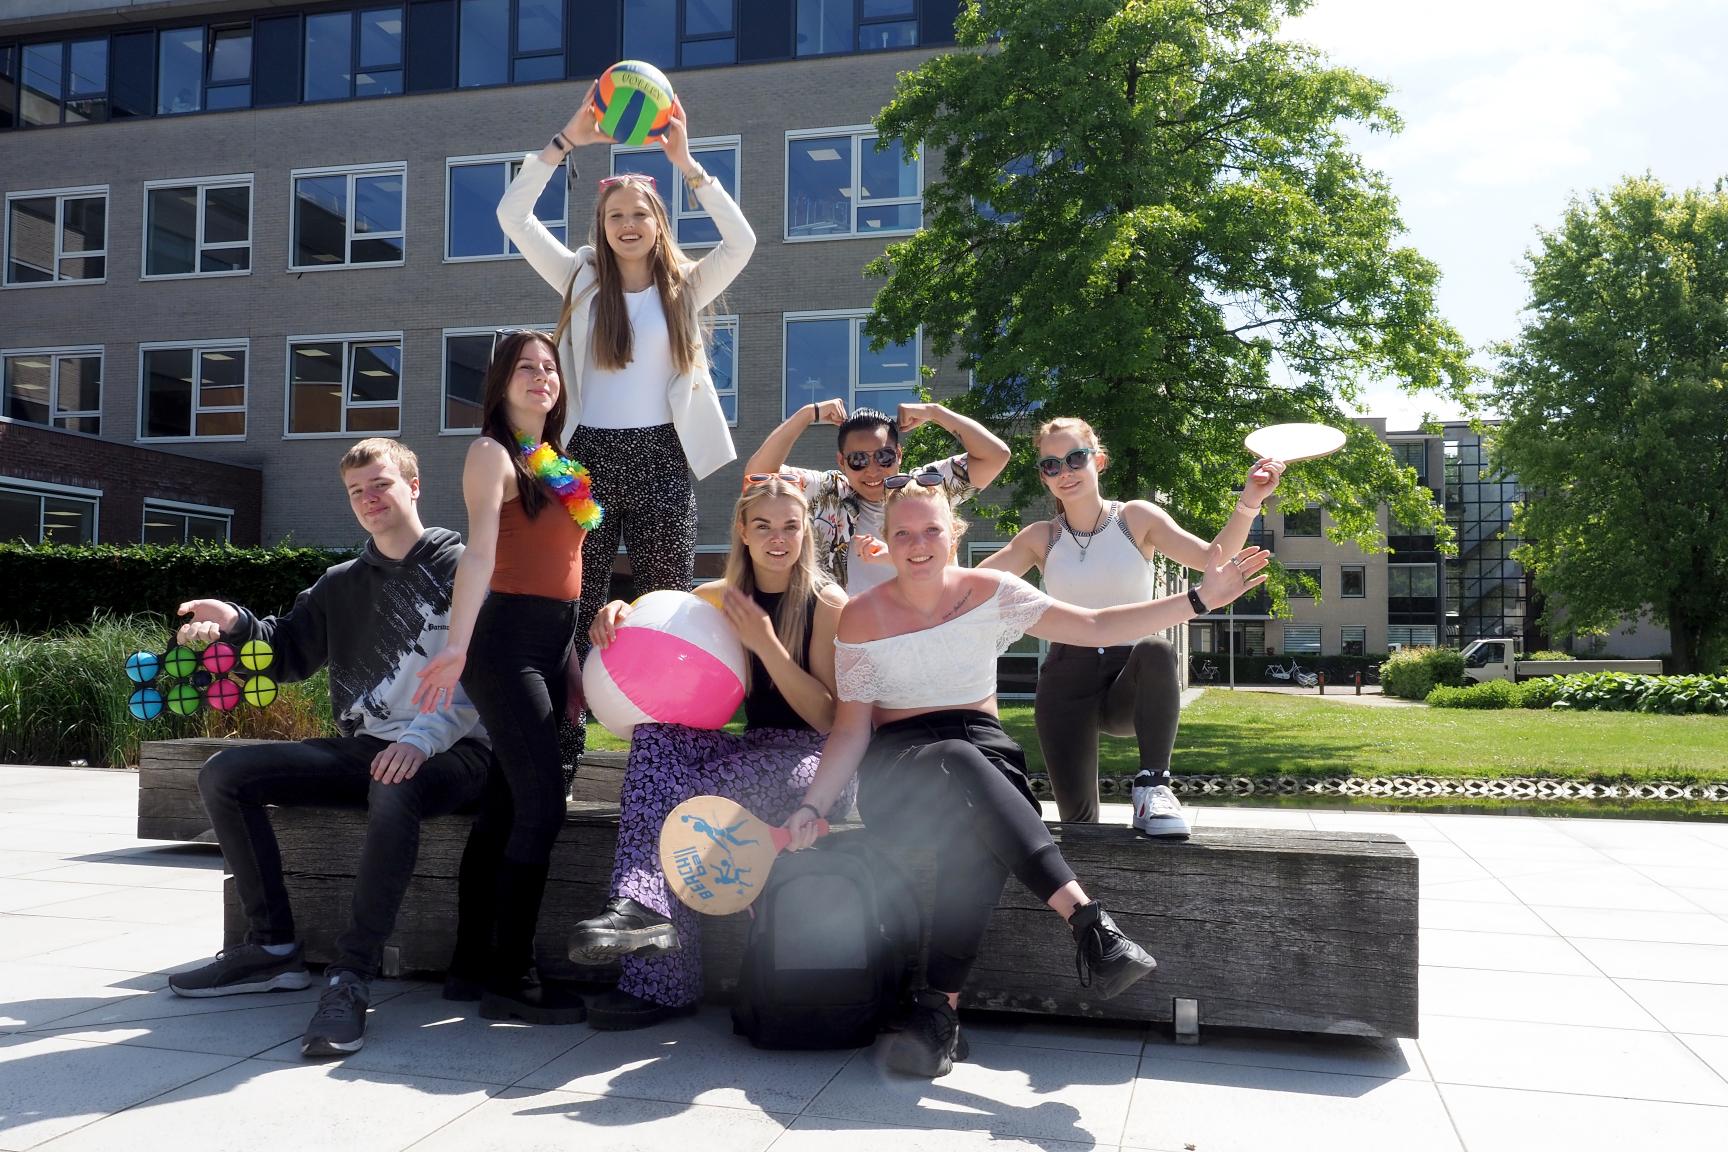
(567, 479)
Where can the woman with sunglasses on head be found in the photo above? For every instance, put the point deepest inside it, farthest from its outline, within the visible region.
(512, 623)
(785, 613)
(915, 673)
(1097, 553)
(643, 413)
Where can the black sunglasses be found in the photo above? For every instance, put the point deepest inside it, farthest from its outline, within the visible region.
(884, 457)
(1052, 465)
(930, 478)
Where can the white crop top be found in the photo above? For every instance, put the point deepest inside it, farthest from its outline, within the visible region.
(1098, 569)
(945, 666)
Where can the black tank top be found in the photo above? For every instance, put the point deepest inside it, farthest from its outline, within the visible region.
(764, 707)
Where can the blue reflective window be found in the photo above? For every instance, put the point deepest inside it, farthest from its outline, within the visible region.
(8, 86)
(818, 361)
(539, 25)
(472, 193)
(709, 53)
(483, 43)
(329, 56)
(819, 186)
(229, 83)
(886, 9)
(723, 363)
(651, 32)
(879, 37)
(381, 38)
(529, 69)
(180, 70)
(431, 45)
(888, 378)
(278, 69)
(707, 17)
(824, 26)
(87, 80)
(42, 89)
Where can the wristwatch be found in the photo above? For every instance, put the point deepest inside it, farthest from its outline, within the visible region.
(1196, 603)
(561, 143)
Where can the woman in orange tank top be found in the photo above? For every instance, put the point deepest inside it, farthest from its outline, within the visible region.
(512, 625)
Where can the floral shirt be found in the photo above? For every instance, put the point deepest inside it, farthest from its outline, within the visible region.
(840, 513)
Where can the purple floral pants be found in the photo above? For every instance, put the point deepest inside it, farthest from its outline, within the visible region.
(766, 770)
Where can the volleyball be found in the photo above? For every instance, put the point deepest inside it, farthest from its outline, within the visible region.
(633, 102)
(675, 660)
(142, 667)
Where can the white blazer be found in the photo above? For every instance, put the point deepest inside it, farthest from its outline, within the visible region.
(696, 412)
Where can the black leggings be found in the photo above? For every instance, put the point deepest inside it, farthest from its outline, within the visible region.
(954, 779)
(1131, 690)
(643, 483)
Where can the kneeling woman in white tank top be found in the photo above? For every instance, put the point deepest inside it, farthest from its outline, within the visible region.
(1097, 553)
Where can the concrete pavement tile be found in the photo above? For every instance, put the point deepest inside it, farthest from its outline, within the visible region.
(1508, 1120)
(1565, 1058)
(1682, 1007)
(136, 905)
(421, 1033)
(1225, 816)
(1450, 870)
(162, 1004)
(1704, 899)
(1688, 855)
(1474, 891)
(35, 994)
(259, 1106)
(242, 1031)
(1411, 826)
(691, 1060)
(25, 893)
(826, 1134)
(1502, 952)
(15, 863)
(1713, 1050)
(136, 949)
(1080, 1036)
(1567, 891)
(25, 937)
(1222, 1108)
(1479, 916)
(1533, 997)
(1646, 960)
(142, 870)
(1041, 1093)
(50, 1085)
(1347, 1056)
(1686, 875)
(539, 1120)
(1626, 924)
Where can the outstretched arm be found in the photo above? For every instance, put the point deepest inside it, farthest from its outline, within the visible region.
(483, 478)
(1125, 623)
(986, 454)
(1158, 532)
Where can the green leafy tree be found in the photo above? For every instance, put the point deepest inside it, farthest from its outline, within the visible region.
(1617, 415)
(1150, 215)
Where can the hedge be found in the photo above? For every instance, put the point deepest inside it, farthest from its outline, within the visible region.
(1594, 691)
(50, 586)
(1412, 673)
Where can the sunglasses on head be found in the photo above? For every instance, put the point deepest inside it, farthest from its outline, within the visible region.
(752, 479)
(629, 178)
(1052, 465)
(884, 457)
(930, 478)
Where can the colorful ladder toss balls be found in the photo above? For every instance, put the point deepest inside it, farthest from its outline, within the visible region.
(633, 102)
(194, 680)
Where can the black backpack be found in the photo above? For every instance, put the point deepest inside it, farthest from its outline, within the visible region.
(831, 949)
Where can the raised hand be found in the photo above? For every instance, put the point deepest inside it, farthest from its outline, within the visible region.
(1228, 579)
(210, 618)
(829, 412)
(912, 415)
(1262, 481)
(675, 141)
(755, 630)
(584, 126)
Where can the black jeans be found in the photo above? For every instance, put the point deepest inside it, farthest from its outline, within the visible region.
(237, 784)
(956, 780)
(1130, 690)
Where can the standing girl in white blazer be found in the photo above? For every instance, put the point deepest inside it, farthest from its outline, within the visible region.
(643, 413)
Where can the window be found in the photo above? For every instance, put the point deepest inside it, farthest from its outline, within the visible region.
(55, 387)
(344, 217)
(718, 157)
(1353, 581)
(828, 354)
(57, 236)
(169, 522)
(344, 385)
(44, 84)
(329, 57)
(1295, 574)
(180, 70)
(198, 228)
(380, 71)
(192, 391)
(1409, 636)
(1302, 522)
(828, 26)
(1412, 454)
(8, 86)
(467, 351)
(539, 41)
(228, 70)
(1411, 580)
(277, 41)
(132, 83)
(64, 83)
(651, 32)
(353, 54)
(483, 43)
(47, 513)
(431, 45)
(840, 185)
(723, 363)
(1353, 640)
(681, 33)
(1302, 639)
(473, 186)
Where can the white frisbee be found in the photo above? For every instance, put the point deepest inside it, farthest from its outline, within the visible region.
(1293, 442)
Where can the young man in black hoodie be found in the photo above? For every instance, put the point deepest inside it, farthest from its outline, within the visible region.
(374, 621)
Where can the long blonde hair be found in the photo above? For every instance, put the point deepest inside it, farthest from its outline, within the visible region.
(792, 617)
(1081, 431)
(613, 344)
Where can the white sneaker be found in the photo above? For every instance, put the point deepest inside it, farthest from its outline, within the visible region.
(1159, 814)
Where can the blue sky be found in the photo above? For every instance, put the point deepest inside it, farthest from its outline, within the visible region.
(1512, 107)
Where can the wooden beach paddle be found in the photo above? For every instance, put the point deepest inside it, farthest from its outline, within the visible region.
(1293, 442)
(716, 855)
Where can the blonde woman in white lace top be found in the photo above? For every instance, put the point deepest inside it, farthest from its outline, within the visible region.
(915, 668)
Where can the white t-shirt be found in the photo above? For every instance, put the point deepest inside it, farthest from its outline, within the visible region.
(633, 396)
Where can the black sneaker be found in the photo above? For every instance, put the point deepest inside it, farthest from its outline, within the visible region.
(624, 927)
(339, 1025)
(929, 1042)
(247, 968)
(619, 1011)
(1105, 960)
(526, 999)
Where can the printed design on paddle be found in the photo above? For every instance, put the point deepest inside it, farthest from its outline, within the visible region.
(716, 854)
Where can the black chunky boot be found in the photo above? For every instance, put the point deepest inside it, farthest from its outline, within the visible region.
(624, 927)
(1105, 960)
(929, 1042)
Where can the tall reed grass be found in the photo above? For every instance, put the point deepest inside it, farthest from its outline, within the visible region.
(63, 698)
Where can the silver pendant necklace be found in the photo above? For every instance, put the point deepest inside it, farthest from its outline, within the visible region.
(1083, 541)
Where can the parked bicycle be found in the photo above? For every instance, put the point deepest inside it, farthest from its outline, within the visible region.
(1293, 674)
(1206, 673)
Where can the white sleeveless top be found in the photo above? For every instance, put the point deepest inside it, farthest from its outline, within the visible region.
(1098, 569)
(944, 666)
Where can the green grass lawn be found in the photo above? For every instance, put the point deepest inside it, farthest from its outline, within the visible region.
(1258, 734)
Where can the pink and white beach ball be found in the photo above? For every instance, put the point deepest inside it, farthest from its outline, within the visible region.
(675, 660)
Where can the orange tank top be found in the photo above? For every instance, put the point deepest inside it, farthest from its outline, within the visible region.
(540, 556)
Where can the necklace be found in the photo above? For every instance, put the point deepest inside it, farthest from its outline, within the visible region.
(567, 479)
(1083, 540)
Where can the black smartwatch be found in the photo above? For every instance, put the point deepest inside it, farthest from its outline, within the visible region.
(1196, 603)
